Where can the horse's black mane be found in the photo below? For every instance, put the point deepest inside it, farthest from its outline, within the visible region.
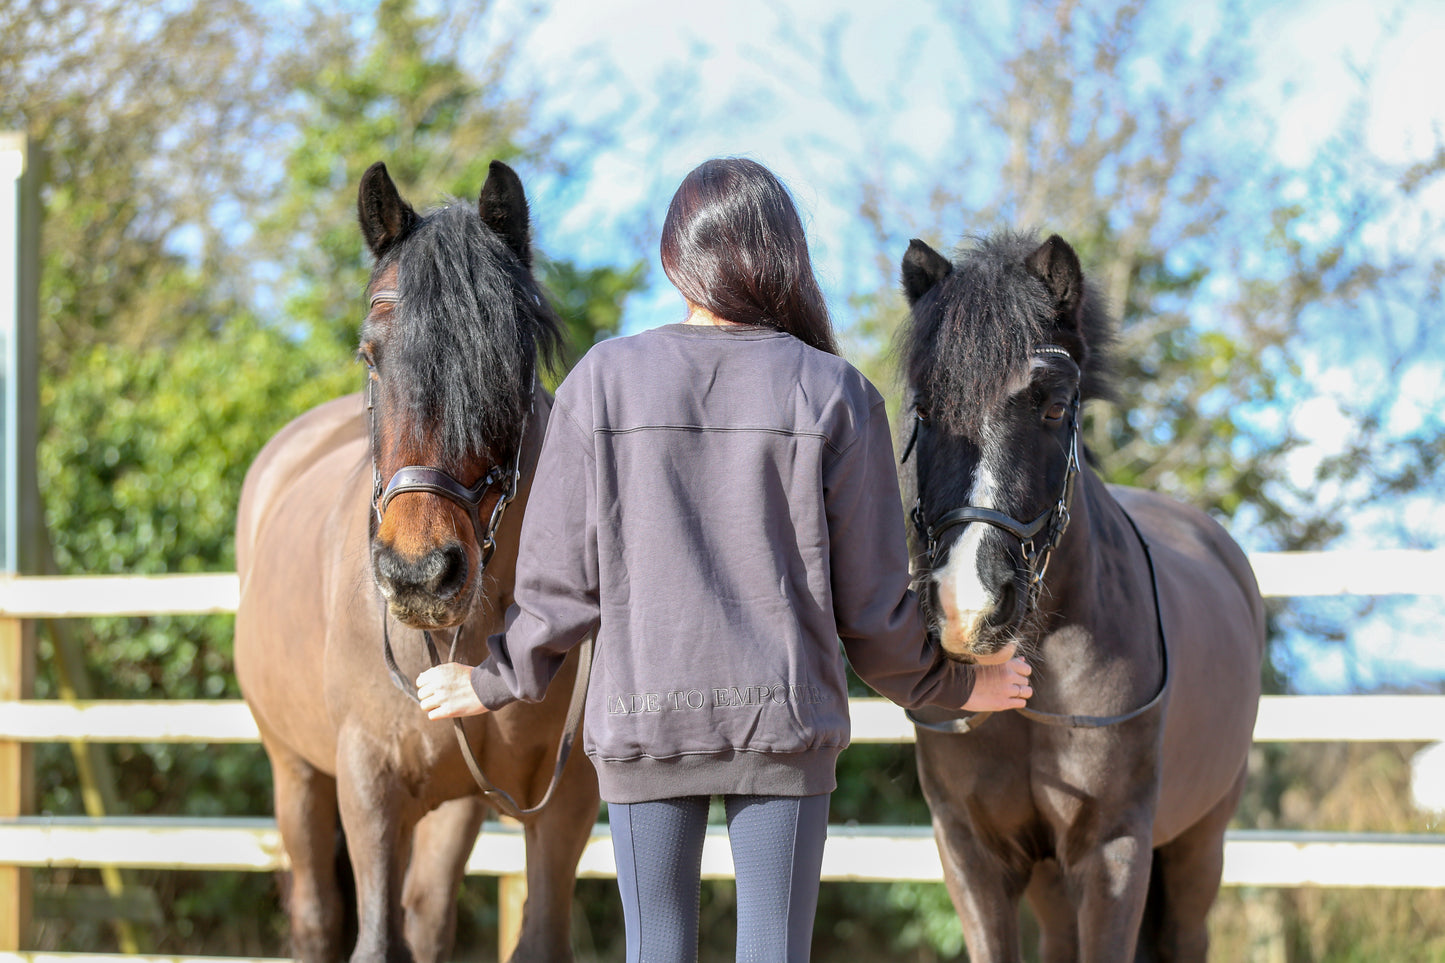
(470, 325)
(969, 335)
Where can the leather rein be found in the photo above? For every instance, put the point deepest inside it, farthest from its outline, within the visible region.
(435, 481)
(1035, 553)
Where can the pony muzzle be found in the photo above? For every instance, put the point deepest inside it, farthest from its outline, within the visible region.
(427, 590)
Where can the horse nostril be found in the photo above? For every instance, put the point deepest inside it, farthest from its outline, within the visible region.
(448, 568)
(439, 574)
(1003, 612)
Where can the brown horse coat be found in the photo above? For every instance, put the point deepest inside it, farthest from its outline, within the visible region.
(346, 744)
(338, 731)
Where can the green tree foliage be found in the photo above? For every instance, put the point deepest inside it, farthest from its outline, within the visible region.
(398, 93)
(202, 283)
(145, 112)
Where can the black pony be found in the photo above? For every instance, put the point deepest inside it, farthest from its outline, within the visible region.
(1105, 802)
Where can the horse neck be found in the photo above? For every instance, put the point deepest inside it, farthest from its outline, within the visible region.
(1097, 584)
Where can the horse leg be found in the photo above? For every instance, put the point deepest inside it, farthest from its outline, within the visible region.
(441, 843)
(1059, 937)
(985, 892)
(305, 801)
(1190, 868)
(555, 838)
(371, 805)
(1112, 881)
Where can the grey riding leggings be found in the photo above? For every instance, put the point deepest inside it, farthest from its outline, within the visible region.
(777, 844)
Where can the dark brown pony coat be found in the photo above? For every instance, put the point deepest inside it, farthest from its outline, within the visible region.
(451, 298)
(1113, 833)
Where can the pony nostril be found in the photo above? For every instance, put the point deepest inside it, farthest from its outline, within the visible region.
(448, 572)
(1003, 612)
(440, 574)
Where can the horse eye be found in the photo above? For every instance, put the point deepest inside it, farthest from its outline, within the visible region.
(920, 411)
(1056, 411)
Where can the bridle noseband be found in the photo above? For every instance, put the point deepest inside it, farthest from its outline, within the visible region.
(435, 481)
(1052, 524)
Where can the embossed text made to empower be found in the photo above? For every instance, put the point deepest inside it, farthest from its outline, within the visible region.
(714, 697)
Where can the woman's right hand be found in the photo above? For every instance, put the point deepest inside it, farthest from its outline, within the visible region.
(1002, 686)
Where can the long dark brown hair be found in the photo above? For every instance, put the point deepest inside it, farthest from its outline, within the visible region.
(733, 243)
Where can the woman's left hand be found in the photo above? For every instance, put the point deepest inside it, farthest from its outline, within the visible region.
(446, 692)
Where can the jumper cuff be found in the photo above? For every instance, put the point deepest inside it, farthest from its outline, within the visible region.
(490, 687)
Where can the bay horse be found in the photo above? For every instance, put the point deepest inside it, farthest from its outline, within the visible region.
(1105, 802)
(369, 523)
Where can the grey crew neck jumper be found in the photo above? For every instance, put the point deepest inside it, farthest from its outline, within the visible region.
(719, 506)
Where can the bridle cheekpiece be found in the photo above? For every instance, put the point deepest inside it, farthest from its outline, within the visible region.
(1037, 538)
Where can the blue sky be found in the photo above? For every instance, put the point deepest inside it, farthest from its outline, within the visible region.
(675, 83)
(733, 79)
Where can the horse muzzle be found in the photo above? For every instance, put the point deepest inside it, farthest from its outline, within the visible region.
(429, 590)
(981, 631)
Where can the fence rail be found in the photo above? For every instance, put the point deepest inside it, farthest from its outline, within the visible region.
(1280, 574)
(854, 853)
(1383, 718)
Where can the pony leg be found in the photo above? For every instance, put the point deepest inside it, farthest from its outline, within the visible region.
(984, 890)
(555, 838)
(1112, 881)
(441, 843)
(371, 805)
(1190, 867)
(305, 802)
(1059, 939)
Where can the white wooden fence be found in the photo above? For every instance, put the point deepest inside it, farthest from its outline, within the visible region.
(873, 853)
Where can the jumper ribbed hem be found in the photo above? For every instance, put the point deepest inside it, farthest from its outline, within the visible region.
(733, 772)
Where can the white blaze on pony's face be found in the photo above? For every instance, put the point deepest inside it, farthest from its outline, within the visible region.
(995, 356)
(975, 585)
(964, 599)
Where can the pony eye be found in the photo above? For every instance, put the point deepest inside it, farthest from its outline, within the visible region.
(920, 411)
(1056, 411)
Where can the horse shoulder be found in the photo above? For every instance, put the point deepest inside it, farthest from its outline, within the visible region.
(1213, 624)
(299, 445)
(1188, 543)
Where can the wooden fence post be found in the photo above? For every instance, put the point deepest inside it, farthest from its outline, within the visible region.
(511, 898)
(17, 786)
(20, 520)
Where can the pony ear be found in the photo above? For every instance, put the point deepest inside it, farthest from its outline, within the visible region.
(385, 217)
(1056, 264)
(923, 268)
(503, 207)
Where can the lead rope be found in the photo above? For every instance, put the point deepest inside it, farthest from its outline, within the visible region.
(571, 726)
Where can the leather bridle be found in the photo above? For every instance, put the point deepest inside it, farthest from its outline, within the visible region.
(435, 481)
(1034, 551)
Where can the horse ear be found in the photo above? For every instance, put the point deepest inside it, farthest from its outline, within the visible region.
(1056, 264)
(385, 217)
(503, 207)
(923, 268)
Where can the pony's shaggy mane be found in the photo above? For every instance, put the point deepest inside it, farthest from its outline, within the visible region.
(470, 326)
(976, 331)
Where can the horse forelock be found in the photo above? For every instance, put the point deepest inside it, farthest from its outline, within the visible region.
(467, 332)
(971, 341)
